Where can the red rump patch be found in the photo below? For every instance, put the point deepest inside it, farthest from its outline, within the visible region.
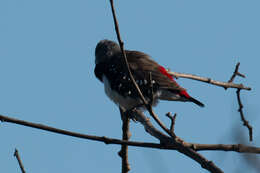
(185, 94)
(164, 71)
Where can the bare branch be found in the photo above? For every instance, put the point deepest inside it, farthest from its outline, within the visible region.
(123, 153)
(209, 80)
(240, 148)
(165, 144)
(16, 154)
(67, 133)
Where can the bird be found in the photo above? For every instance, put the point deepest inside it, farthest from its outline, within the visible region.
(153, 79)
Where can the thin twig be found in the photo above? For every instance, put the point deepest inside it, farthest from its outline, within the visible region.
(240, 110)
(240, 148)
(197, 147)
(123, 153)
(245, 122)
(16, 154)
(121, 44)
(236, 73)
(209, 81)
(172, 118)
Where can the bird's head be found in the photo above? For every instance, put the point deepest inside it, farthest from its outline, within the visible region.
(105, 49)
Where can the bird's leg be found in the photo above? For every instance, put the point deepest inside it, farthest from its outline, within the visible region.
(130, 114)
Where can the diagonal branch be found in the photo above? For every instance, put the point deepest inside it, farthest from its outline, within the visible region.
(16, 154)
(147, 105)
(180, 146)
(243, 119)
(240, 110)
(121, 44)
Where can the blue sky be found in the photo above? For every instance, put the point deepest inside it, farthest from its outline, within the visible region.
(47, 63)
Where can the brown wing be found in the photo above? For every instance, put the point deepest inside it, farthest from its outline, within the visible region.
(142, 65)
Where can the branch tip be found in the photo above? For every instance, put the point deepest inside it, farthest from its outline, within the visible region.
(225, 85)
(16, 155)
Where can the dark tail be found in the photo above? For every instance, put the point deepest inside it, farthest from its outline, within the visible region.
(196, 102)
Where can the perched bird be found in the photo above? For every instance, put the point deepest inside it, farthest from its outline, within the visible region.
(153, 80)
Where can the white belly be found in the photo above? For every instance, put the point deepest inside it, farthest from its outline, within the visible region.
(125, 102)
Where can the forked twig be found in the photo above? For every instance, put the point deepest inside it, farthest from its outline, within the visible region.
(236, 73)
(172, 118)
